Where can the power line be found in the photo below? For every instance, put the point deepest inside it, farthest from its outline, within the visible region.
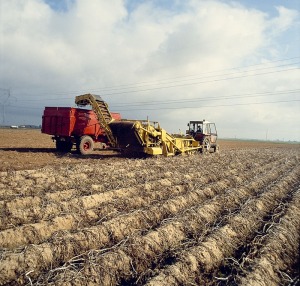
(219, 105)
(183, 107)
(210, 98)
(175, 85)
(185, 100)
(176, 101)
(181, 78)
(196, 83)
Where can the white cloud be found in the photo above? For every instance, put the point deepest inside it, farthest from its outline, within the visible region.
(95, 44)
(286, 18)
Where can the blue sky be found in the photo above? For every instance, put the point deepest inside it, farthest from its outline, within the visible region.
(59, 5)
(232, 62)
(267, 6)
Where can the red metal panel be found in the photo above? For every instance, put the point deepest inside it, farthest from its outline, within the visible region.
(58, 121)
(116, 116)
(86, 123)
(69, 121)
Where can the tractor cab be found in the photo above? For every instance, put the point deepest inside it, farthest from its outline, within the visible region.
(204, 132)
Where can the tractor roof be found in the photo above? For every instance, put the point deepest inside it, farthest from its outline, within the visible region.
(199, 122)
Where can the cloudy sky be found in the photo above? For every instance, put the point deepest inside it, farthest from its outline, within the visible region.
(232, 62)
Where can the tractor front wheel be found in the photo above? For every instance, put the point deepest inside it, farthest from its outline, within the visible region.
(217, 149)
(85, 145)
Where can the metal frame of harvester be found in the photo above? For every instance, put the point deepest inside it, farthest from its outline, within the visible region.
(140, 136)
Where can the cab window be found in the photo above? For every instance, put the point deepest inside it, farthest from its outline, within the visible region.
(213, 129)
(208, 128)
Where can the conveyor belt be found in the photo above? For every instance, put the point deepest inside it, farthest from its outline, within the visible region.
(101, 109)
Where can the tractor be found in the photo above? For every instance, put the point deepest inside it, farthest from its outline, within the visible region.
(204, 132)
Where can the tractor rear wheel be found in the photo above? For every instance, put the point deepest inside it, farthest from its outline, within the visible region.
(205, 145)
(85, 145)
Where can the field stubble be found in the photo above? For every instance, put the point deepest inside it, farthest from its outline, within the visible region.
(218, 219)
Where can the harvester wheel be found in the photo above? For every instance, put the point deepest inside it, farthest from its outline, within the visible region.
(86, 145)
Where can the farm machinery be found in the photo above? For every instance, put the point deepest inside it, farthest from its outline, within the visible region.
(74, 126)
(147, 137)
(204, 132)
(84, 127)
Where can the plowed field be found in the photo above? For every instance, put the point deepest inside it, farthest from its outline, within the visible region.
(227, 218)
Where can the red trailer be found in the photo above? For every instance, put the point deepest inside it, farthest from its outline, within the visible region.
(74, 126)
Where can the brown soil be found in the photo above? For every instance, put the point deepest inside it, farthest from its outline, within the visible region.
(29, 148)
(103, 219)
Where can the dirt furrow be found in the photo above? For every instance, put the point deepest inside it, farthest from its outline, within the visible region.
(14, 214)
(143, 195)
(82, 177)
(84, 188)
(82, 217)
(275, 260)
(105, 235)
(141, 253)
(50, 180)
(222, 243)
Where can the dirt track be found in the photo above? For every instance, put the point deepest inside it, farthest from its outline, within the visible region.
(230, 218)
(28, 149)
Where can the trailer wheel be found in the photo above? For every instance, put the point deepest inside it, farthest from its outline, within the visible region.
(58, 145)
(86, 145)
(63, 146)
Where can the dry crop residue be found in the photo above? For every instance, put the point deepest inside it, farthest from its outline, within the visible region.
(216, 219)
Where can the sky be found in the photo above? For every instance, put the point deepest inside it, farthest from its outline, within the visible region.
(235, 63)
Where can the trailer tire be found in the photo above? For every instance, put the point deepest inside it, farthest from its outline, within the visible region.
(58, 145)
(85, 145)
(63, 146)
